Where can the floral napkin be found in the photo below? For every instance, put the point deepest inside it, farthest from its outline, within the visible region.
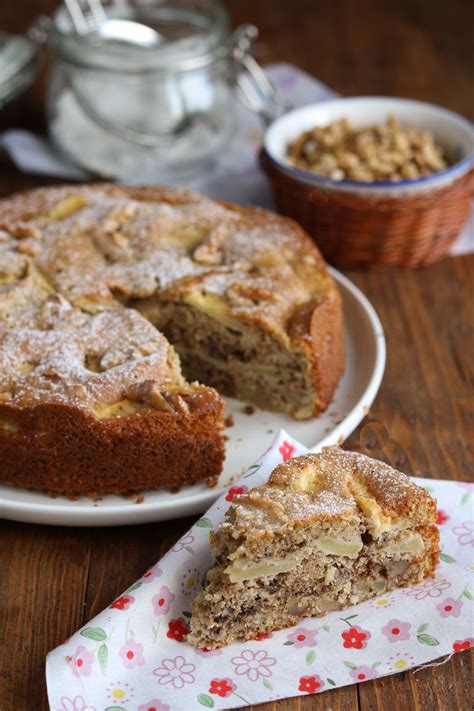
(134, 656)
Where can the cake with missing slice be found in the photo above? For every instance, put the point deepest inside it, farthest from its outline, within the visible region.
(326, 531)
(121, 308)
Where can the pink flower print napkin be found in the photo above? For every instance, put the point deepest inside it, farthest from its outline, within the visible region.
(134, 656)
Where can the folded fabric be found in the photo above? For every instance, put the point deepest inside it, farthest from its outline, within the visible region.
(134, 656)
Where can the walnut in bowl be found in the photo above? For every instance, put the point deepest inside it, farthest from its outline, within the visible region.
(379, 210)
(387, 151)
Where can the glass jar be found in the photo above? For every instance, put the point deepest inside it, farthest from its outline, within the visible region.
(120, 110)
(18, 66)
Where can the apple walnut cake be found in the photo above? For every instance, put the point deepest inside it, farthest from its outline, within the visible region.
(107, 292)
(326, 531)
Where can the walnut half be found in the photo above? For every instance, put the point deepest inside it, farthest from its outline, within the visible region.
(149, 392)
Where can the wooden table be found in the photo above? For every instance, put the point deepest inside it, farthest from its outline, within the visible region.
(52, 580)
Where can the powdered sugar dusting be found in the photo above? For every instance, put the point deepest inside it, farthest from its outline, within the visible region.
(326, 486)
(70, 257)
(60, 364)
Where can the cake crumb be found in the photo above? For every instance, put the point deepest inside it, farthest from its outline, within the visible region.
(270, 431)
(248, 409)
(225, 438)
(229, 421)
(140, 499)
(131, 495)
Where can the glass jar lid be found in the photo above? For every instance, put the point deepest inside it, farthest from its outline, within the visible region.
(18, 65)
(190, 32)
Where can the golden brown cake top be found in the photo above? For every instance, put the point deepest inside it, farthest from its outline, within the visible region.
(83, 360)
(72, 257)
(331, 485)
(102, 245)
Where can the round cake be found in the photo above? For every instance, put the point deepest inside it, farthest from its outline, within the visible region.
(116, 303)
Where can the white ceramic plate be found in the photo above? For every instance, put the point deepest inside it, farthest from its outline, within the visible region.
(249, 437)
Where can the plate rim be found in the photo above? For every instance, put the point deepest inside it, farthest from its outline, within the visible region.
(357, 413)
(191, 503)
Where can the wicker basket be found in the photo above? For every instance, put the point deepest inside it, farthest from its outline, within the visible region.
(366, 230)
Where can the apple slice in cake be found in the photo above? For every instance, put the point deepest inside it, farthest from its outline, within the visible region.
(326, 531)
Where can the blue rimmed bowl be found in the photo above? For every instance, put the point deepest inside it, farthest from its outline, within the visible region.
(409, 223)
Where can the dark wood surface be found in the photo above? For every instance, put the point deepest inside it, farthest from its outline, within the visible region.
(54, 579)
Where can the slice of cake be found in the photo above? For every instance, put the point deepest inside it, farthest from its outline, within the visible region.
(326, 531)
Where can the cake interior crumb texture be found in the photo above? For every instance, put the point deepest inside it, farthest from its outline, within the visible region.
(325, 532)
